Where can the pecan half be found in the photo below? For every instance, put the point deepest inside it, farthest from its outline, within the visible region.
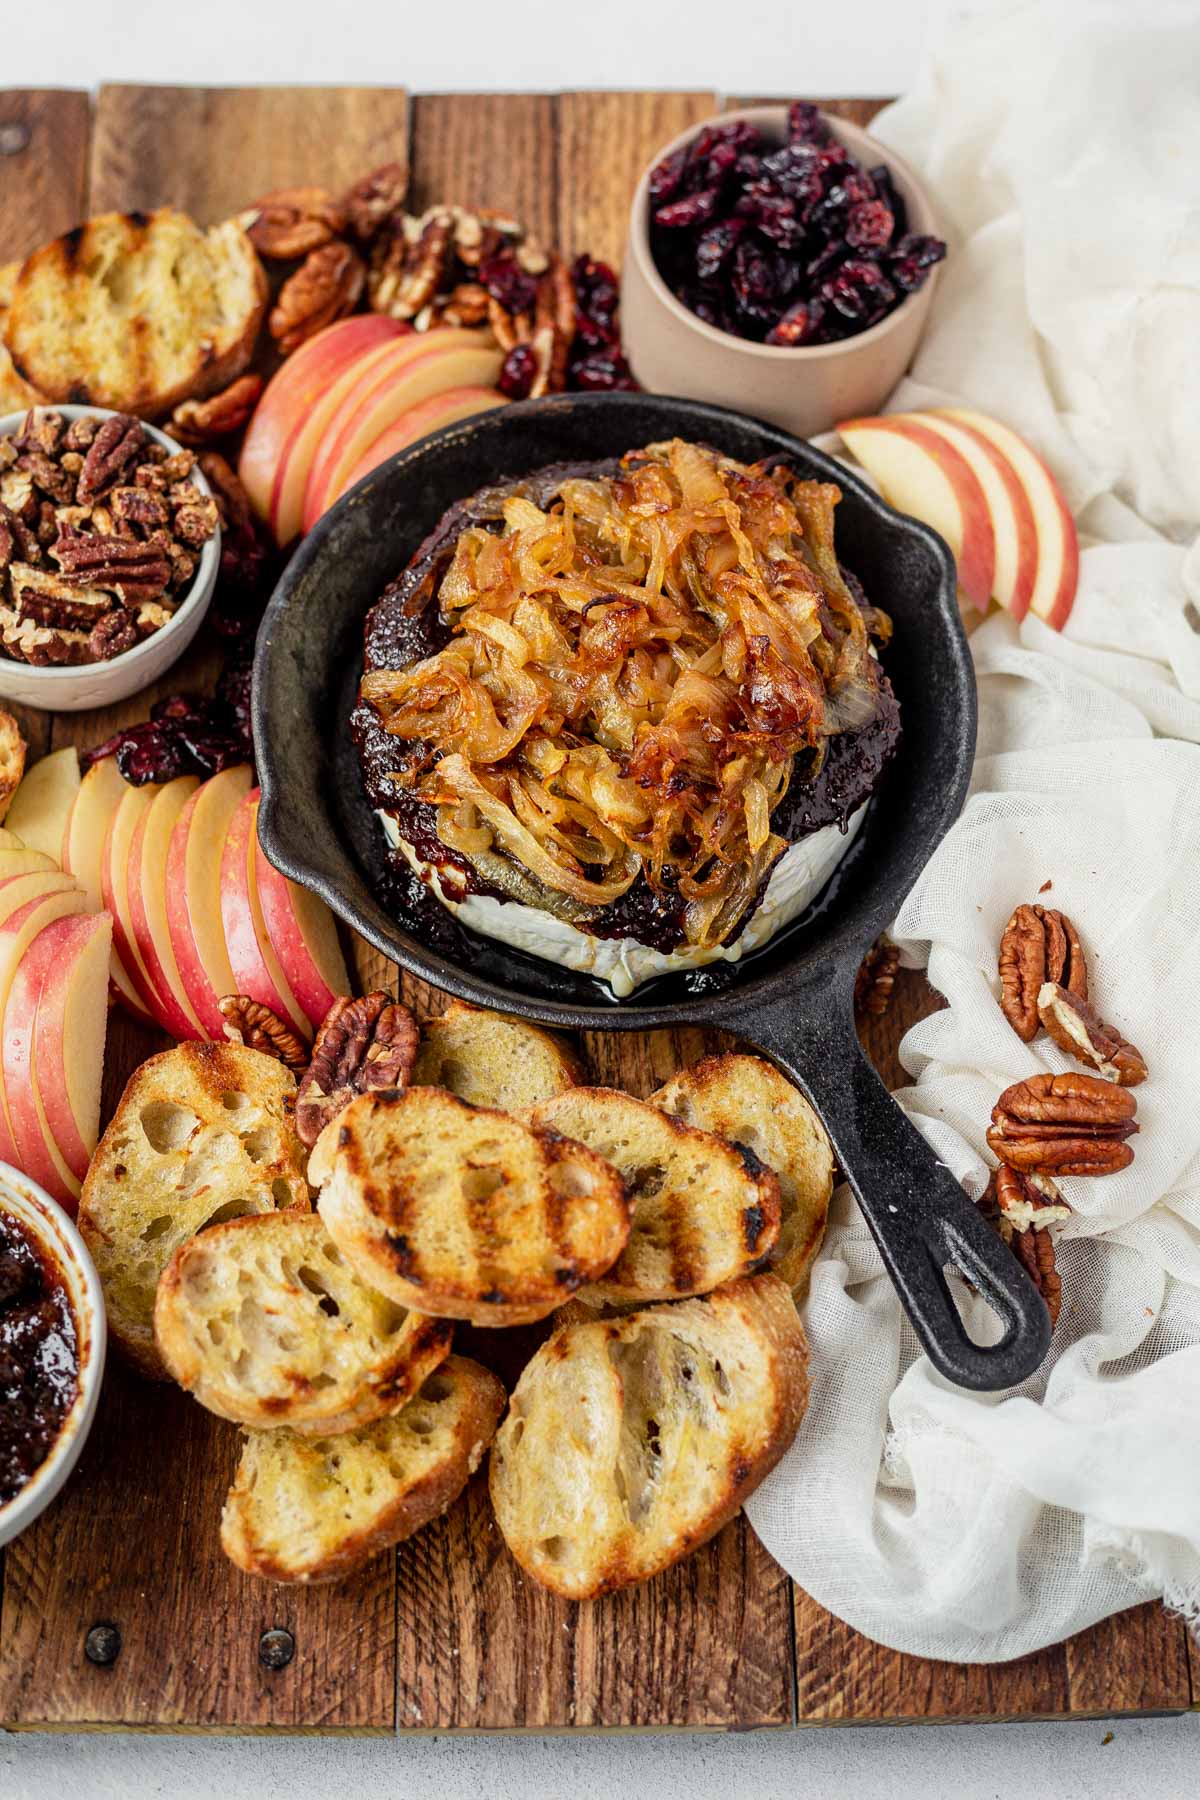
(1077, 1028)
(200, 422)
(325, 287)
(47, 477)
(362, 1045)
(112, 635)
(1063, 1125)
(372, 201)
(1028, 1200)
(876, 978)
(1031, 1243)
(292, 222)
(251, 1023)
(408, 264)
(51, 599)
(42, 646)
(126, 566)
(118, 442)
(1039, 945)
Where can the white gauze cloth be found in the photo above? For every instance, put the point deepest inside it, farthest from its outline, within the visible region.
(1061, 143)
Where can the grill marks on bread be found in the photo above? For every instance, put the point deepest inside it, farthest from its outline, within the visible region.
(704, 1211)
(466, 1212)
(629, 1442)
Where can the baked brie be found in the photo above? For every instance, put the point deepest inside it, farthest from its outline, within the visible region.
(627, 716)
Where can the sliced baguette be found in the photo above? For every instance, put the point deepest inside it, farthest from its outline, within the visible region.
(704, 1212)
(631, 1441)
(263, 1321)
(467, 1212)
(137, 311)
(492, 1060)
(12, 761)
(203, 1133)
(15, 395)
(305, 1509)
(746, 1101)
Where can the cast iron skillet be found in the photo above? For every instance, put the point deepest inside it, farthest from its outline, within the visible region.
(793, 999)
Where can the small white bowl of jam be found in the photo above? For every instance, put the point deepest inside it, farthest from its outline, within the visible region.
(52, 1344)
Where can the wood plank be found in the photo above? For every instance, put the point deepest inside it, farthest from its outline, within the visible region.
(214, 151)
(605, 142)
(487, 150)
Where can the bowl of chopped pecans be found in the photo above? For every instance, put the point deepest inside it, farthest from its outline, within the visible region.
(110, 543)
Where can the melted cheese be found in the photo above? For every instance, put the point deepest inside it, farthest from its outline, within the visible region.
(624, 963)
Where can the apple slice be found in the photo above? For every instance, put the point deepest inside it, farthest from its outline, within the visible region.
(9, 840)
(1058, 542)
(194, 893)
(100, 793)
(16, 890)
(116, 867)
(53, 1051)
(302, 930)
(256, 967)
(431, 362)
(43, 801)
(148, 908)
(921, 472)
(418, 422)
(1013, 524)
(17, 933)
(26, 862)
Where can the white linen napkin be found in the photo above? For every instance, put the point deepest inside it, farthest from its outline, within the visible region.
(1061, 143)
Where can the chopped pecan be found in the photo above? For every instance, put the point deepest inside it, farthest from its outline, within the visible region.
(1077, 1028)
(1039, 945)
(47, 477)
(139, 506)
(1063, 1125)
(80, 432)
(177, 467)
(876, 978)
(362, 1045)
(406, 274)
(119, 442)
(41, 645)
(18, 495)
(293, 222)
(42, 429)
(196, 518)
(17, 542)
(466, 304)
(8, 454)
(51, 599)
(115, 633)
(326, 286)
(372, 201)
(199, 422)
(251, 1023)
(126, 566)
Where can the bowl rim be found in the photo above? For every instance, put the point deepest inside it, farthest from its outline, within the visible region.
(199, 590)
(60, 1236)
(775, 114)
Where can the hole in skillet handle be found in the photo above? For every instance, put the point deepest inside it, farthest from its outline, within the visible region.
(920, 1217)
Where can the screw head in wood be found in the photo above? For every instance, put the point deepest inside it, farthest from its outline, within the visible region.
(276, 1649)
(102, 1645)
(14, 137)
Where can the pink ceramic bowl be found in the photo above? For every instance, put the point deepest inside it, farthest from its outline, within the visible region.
(805, 390)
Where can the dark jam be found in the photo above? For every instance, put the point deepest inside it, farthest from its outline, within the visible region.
(39, 1355)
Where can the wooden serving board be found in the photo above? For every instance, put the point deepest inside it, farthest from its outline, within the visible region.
(447, 1633)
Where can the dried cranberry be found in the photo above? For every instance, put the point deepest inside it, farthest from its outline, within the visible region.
(860, 291)
(693, 209)
(776, 218)
(518, 372)
(151, 752)
(179, 708)
(233, 694)
(602, 373)
(805, 124)
(716, 245)
(889, 193)
(507, 282)
(209, 751)
(665, 178)
(800, 324)
(869, 225)
(912, 258)
(596, 292)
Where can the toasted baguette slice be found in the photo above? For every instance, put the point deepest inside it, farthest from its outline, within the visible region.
(492, 1060)
(137, 311)
(263, 1321)
(12, 761)
(466, 1212)
(15, 395)
(203, 1133)
(314, 1509)
(704, 1212)
(630, 1441)
(746, 1101)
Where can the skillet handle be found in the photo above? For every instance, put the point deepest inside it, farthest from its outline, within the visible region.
(918, 1214)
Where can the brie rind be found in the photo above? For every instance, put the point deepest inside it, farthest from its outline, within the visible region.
(624, 963)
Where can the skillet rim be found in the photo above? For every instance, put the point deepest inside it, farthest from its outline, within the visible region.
(841, 950)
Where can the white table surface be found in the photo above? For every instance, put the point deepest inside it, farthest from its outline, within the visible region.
(735, 46)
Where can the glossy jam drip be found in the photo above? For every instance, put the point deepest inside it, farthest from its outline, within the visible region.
(39, 1355)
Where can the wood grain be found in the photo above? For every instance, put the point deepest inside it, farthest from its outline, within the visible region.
(605, 142)
(488, 150)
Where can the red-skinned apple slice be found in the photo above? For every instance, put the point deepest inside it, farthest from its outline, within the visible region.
(1013, 524)
(43, 801)
(53, 1050)
(418, 422)
(194, 894)
(1058, 542)
(17, 933)
(116, 867)
(302, 930)
(100, 793)
(17, 890)
(256, 968)
(921, 473)
(288, 402)
(431, 362)
(148, 850)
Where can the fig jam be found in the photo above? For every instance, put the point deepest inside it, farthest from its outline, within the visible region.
(39, 1355)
